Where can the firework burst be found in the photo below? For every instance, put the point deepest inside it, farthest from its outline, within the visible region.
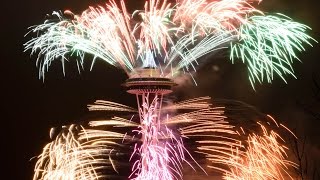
(78, 153)
(179, 34)
(265, 157)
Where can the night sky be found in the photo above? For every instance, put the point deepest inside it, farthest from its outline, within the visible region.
(31, 107)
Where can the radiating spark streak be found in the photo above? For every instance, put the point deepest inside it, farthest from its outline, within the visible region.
(196, 103)
(268, 46)
(115, 121)
(51, 133)
(263, 158)
(270, 117)
(289, 130)
(101, 105)
(98, 133)
(204, 116)
(112, 163)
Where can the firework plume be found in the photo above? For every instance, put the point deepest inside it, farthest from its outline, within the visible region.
(178, 35)
(78, 153)
(265, 157)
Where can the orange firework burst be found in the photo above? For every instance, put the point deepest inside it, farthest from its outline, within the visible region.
(264, 158)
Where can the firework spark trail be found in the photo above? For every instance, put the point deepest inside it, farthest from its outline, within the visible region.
(179, 33)
(208, 128)
(263, 158)
(195, 103)
(161, 157)
(79, 153)
(260, 157)
(102, 32)
(109, 28)
(205, 17)
(211, 26)
(268, 44)
(56, 42)
(185, 53)
(156, 26)
(161, 153)
(101, 105)
(115, 122)
(61, 159)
